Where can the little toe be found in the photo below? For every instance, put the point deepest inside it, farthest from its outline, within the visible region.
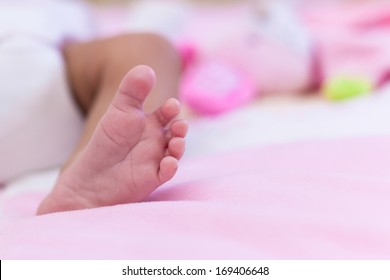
(167, 112)
(176, 147)
(134, 88)
(168, 168)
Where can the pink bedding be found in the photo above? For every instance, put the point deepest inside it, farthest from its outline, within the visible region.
(302, 199)
(309, 200)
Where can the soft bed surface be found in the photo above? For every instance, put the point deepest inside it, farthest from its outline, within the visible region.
(316, 187)
(277, 180)
(309, 200)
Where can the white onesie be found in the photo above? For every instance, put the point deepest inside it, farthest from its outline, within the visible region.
(39, 120)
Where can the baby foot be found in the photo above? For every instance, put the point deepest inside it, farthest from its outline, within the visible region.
(130, 154)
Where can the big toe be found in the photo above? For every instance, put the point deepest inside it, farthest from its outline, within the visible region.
(134, 88)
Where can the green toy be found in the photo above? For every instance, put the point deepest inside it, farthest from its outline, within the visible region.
(347, 87)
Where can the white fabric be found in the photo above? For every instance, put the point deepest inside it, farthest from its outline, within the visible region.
(39, 120)
(52, 21)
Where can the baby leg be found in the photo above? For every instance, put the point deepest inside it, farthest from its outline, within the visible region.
(125, 152)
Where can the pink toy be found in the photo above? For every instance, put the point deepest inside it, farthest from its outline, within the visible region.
(216, 86)
(353, 45)
(238, 52)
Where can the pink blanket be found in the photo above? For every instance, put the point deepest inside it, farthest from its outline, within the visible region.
(309, 200)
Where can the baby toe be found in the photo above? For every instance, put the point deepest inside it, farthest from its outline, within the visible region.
(176, 147)
(167, 112)
(168, 168)
(179, 128)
